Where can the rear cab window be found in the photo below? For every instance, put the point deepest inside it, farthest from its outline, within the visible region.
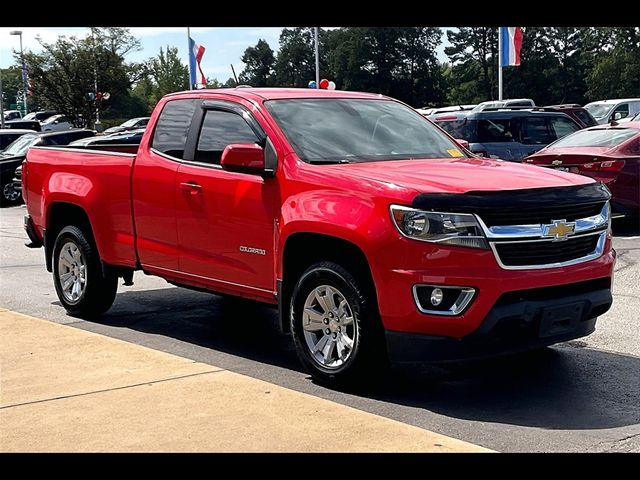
(172, 127)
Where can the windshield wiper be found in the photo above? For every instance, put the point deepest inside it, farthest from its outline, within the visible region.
(327, 161)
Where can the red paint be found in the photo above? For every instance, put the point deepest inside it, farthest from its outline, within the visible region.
(517, 43)
(618, 167)
(240, 156)
(225, 230)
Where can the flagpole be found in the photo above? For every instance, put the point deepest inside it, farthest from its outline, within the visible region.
(317, 59)
(189, 56)
(499, 65)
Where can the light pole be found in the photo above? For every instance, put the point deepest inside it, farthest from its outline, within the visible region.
(97, 125)
(1, 103)
(24, 73)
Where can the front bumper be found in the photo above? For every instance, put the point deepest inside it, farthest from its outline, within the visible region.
(463, 267)
(519, 321)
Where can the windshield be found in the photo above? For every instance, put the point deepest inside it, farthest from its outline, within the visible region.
(355, 130)
(129, 123)
(599, 110)
(20, 146)
(600, 137)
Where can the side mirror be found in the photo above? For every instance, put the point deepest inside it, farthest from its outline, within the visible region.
(244, 157)
(617, 116)
(462, 142)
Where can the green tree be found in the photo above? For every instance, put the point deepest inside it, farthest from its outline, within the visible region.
(296, 62)
(259, 63)
(616, 70)
(400, 62)
(11, 85)
(63, 74)
(167, 73)
(473, 52)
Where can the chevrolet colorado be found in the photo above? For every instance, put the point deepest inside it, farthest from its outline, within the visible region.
(375, 234)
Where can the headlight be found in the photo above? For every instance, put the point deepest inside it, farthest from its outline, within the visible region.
(460, 229)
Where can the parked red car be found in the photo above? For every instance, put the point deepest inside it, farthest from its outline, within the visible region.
(607, 153)
(575, 111)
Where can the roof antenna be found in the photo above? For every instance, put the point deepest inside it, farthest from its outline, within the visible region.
(234, 74)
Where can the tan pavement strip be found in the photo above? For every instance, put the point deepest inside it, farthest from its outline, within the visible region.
(65, 389)
(43, 360)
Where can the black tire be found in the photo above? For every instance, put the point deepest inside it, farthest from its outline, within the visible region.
(367, 362)
(9, 195)
(99, 290)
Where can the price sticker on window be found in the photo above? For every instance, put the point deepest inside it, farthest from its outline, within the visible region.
(454, 152)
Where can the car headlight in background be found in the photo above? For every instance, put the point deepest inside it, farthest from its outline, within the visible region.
(460, 229)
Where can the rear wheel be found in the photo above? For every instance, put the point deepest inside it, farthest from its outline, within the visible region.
(336, 327)
(82, 287)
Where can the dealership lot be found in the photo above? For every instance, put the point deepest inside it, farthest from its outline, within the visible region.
(580, 396)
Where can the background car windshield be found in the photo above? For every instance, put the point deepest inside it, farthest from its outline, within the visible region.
(599, 110)
(358, 130)
(20, 146)
(129, 123)
(609, 137)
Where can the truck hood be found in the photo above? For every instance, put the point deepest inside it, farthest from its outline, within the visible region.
(455, 175)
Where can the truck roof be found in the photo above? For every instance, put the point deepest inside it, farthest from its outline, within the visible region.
(265, 93)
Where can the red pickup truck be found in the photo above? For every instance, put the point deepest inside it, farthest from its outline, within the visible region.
(375, 234)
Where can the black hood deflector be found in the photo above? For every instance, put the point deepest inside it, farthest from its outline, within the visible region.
(477, 201)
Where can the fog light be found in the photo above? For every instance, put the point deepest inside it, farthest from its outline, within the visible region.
(436, 297)
(442, 299)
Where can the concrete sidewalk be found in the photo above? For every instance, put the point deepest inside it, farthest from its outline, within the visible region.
(64, 389)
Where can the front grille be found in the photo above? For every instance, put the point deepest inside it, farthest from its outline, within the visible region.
(535, 215)
(545, 252)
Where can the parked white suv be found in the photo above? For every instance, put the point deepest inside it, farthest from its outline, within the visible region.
(606, 111)
(513, 102)
(12, 115)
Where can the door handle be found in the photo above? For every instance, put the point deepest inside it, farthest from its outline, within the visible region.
(191, 187)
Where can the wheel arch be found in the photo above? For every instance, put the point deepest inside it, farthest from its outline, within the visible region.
(303, 249)
(60, 215)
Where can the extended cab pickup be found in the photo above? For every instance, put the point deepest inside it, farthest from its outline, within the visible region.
(375, 234)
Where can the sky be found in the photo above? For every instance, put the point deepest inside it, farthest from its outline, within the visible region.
(224, 45)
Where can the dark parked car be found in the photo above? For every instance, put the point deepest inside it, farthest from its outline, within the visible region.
(508, 134)
(14, 154)
(607, 153)
(131, 124)
(575, 111)
(10, 135)
(131, 137)
(40, 116)
(24, 125)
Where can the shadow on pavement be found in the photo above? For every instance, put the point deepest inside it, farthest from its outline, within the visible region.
(565, 387)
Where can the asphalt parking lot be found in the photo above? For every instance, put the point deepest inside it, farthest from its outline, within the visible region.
(582, 396)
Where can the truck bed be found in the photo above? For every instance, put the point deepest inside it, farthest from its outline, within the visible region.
(62, 174)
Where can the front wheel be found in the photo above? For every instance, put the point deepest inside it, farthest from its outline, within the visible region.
(336, 326)
(82, 287)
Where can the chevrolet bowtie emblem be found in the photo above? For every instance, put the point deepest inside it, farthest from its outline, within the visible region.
(559, 229)
(556, 162)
